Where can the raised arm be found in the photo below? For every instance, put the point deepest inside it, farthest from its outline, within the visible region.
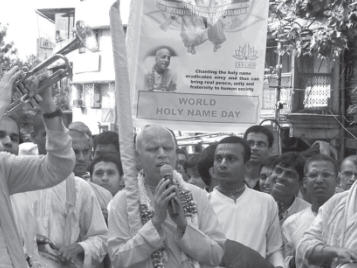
(31, 173)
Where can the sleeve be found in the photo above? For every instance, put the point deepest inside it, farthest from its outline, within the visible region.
(124, 249)
(93, 227)
(288, 248)
(28, 173)
(274, 239)
(311, 239)
(204, 244)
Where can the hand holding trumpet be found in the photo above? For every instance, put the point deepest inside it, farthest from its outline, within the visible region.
(33, 86)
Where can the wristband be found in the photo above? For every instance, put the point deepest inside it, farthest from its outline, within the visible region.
(57, 112)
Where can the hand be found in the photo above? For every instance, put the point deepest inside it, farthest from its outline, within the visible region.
(179, 218)
(164, 192)
(345, 255)
(35, 85)
(7, 84)
(72, 253)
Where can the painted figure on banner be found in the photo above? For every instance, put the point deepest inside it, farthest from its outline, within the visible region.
(161, 77)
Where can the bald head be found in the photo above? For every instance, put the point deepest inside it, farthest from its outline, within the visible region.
(155, 146)
(150, 130)
(162, 59)
(348, 172)
(82, 147)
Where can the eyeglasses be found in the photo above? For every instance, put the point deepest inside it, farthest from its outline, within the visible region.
(13, 136)
(349, 174)
(322, 174)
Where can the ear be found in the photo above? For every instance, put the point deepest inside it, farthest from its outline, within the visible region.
(338, 179)
(211, 172)
(304, 182)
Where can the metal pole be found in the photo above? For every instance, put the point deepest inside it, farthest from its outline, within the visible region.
(278, 90)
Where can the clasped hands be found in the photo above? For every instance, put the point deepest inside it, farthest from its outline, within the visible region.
(164, 192)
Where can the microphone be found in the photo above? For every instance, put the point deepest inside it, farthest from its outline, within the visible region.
(166, 171)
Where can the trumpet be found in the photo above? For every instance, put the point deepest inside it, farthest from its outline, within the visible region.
(84, 37)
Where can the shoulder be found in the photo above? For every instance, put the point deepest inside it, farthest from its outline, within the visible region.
(301, 202)
(292, 218)
(257, 196)
(101, 190)
(118, 201)
(196, 191)
(336, 201)
(83, 187)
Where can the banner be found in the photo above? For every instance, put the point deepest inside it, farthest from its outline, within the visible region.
(197, 65)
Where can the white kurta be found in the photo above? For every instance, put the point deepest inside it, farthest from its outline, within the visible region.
(50, 209)
(203, 243)
(298, 205)
(28, 173)
(251, 220)
(334, 225)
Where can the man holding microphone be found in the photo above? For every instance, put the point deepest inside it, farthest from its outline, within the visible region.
(162, 221)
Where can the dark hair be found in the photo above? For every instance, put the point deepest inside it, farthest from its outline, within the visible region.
(205, 162)
(292, 160)
(192, 161)
(260, 129)
(269, 162)
(107, 157)
(320, 157)
(237, 140)
(107, 137)
(181, 151)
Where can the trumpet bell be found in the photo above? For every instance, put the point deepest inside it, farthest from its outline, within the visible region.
(85, 36)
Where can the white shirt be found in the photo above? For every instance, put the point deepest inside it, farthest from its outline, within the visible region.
(251, 220)
(5, 261)
(293, 230)
(50, 208)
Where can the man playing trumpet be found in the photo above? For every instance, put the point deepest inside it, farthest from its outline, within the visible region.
(20, 174)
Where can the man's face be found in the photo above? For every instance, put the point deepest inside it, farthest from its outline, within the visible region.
(9, 136)
(320, 181)
(156, 148)
(82, 149)
(162, 59)
(265, 182)
(259, 146)
(104, 148)
(285, 182)
(106, 174)
(228, 165)
(348, 174)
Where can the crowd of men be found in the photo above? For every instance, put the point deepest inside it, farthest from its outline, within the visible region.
(65, 204)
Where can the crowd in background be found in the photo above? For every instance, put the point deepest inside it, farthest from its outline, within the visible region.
(233, 204)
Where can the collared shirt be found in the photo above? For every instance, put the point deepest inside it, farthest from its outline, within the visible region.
(298, 205)
(251, 220)
(203, 243)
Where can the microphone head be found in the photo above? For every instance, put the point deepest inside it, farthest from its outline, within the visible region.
(166, 170)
